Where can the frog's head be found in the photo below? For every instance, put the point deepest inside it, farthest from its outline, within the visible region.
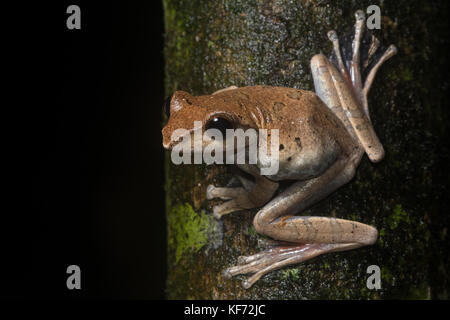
(211, 111)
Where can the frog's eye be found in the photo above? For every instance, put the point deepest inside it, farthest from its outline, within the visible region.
(220, 124)
(167, 106)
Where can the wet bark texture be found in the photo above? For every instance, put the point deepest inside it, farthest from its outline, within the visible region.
(214, 44)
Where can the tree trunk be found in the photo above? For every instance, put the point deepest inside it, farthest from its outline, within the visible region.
(214, 44)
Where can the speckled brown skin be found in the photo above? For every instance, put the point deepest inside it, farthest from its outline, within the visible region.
(321, 141)
(310, 134)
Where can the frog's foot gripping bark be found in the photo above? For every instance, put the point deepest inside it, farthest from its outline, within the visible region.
(280, 256)
(250, 195)
(358, 58)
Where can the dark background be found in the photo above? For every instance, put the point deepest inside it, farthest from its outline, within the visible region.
(86, 161)
(92, 193)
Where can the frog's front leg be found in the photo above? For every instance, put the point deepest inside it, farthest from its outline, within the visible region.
(251, 195)
(225, 89)
(308, 236)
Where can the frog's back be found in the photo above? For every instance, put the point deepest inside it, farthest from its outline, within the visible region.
(271, 107)
(309, 132)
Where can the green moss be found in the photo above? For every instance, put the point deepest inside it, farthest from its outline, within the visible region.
(252, 231)
(292, 273)
(386, 277)
(398, 216)
(421, 292)
(188, 231)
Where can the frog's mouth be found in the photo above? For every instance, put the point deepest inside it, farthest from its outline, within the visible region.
(172, 138)
(169, 143)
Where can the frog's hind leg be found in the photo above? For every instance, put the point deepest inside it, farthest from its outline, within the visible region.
(280, 256)
(339, 85)
(359, 63)
(307, 236)
(326, 90)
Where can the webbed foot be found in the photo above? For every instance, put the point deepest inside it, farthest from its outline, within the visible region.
(278, 257)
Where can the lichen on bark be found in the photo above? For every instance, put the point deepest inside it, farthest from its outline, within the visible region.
(214, 44)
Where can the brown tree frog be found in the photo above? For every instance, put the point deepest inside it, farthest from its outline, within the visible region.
(322, 138)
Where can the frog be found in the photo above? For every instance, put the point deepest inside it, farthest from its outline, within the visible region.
(323, 136)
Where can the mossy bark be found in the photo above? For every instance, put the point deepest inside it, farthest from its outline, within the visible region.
(214, 44)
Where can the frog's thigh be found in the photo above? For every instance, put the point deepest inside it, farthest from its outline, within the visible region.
(323, 83)
(323, 73)
(326, 90)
